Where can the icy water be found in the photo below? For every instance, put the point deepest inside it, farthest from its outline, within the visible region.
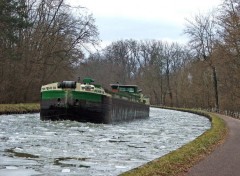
(29, 146)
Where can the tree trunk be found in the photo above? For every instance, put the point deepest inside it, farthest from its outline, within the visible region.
(168, 84)
(215, 84)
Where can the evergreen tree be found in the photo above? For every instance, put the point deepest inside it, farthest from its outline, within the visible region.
(13, 19)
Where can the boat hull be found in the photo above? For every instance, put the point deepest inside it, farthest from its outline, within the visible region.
(106, 110)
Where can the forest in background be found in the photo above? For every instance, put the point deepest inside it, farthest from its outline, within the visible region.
(42, 41)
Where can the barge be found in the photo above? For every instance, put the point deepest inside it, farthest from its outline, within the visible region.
(88, 102)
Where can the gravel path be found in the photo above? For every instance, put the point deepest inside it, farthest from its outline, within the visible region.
(225, 159)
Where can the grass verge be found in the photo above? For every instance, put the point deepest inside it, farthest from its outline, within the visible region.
(19, 108)
(179, 161)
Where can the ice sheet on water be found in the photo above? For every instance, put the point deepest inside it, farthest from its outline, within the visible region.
(57, 147)
(10, 161)
(18, 172)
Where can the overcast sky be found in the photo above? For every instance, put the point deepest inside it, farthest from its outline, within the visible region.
(144, 19)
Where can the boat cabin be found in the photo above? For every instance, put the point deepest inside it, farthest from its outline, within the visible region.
(124, 88)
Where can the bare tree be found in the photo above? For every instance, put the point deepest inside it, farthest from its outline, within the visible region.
(203, 32)
(228, 19)
(48, 50)
(151, 69)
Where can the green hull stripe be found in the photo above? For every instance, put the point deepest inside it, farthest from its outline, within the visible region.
(55, 94)
(87, 96)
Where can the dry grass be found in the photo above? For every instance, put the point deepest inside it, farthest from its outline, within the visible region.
(19, 108)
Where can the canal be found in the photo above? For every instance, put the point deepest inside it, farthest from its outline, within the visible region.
(29, 146)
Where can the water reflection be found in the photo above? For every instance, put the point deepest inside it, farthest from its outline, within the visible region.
(30, 147)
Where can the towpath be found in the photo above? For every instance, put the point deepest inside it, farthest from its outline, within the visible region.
(225, 159)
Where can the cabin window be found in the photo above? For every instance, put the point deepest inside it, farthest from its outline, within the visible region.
(131, 90)
(126, 89)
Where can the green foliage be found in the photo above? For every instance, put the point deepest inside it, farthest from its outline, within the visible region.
(13, 17)
(180, 160)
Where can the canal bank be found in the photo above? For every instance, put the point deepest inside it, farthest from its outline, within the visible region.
(224, 161)
(22, 108)
(181, 160)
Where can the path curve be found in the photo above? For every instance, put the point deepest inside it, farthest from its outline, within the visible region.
(225, 159)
